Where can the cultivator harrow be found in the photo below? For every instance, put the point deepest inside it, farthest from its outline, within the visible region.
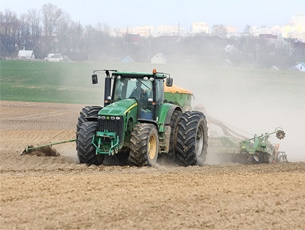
(231, 146)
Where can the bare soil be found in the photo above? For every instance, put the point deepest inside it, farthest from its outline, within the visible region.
(56, 192)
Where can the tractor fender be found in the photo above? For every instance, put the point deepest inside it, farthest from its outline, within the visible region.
(91, 118)
(170, 113)
(141, 120)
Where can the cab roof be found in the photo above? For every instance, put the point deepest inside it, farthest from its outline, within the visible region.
(141, 74)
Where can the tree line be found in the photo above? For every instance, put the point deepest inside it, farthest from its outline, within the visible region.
(51, 30)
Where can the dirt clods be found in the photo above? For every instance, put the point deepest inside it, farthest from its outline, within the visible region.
(46, 151)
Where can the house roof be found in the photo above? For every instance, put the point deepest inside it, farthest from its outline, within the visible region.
(159, 55)
(302, 64)
(133, 37)
(158, 58)
(54, 55)
(127, 59)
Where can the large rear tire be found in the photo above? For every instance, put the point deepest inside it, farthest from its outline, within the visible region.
(170, 157)
(144, 145)
(192, 139)
(86, 151)
(173, 135)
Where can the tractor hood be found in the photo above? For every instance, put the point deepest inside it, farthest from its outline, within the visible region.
(118, 108)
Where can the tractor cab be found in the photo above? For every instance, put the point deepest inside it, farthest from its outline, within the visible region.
(146, 88)
(140, 89)
(139, 121)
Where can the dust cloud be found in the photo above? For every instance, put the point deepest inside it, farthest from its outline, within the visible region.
(253, 102)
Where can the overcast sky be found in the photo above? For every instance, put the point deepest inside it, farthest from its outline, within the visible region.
(131, 13)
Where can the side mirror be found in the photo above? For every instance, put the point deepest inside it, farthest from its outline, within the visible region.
(169, 82)
(94, 79)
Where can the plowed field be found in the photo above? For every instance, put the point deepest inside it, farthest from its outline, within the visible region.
(40, 192)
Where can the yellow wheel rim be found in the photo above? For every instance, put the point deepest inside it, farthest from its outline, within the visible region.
(152, 147)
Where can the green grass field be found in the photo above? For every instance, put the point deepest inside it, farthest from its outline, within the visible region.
(70, 82)
(63, 82)
(45, 82)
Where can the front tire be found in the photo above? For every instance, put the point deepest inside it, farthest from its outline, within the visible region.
(88, 111)
(86, 151)
(192, 139)
(144, 145)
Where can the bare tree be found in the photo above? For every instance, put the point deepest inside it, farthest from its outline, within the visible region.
(290, 47)
(24, 33)
(50, 18)
(76, 37)
(33, 19)
(219, 30)
(9, 24)
(63, 32)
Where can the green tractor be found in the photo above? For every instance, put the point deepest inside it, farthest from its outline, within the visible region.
(142, 121)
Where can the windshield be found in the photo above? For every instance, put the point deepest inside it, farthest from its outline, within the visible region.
(137, 88)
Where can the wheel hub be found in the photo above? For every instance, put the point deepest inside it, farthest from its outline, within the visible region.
(152, 147)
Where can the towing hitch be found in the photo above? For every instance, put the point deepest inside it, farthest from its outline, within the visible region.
(29, 148)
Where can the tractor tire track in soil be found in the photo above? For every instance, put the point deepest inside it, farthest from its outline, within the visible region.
(39, 192)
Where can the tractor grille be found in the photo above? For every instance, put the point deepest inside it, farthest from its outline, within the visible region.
(111, 124)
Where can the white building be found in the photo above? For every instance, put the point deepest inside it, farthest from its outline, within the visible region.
(54, 57)
(300, 66)
(200, 27)
(295, 29)
(159, 58)
(26, 54)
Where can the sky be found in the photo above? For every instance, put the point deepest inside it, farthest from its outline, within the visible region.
(132, 13)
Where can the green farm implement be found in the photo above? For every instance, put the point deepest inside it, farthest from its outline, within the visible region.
(231, 148)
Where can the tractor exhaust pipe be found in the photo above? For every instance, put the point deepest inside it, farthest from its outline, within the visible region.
(107, 90)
